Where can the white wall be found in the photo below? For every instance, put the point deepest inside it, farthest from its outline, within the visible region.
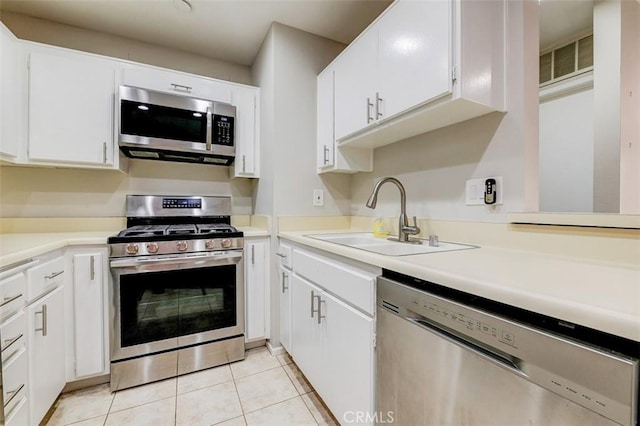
(566, 153)
(48, 192)
(48, 32)
(286, 69)
(434, 166)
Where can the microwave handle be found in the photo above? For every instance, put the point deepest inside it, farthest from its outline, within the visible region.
(209, 129)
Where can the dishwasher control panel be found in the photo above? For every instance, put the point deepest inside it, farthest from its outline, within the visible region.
(453, 318)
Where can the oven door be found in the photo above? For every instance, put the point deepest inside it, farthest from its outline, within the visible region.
(166, 302)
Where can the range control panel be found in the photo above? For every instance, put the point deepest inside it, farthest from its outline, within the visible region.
(181, 203)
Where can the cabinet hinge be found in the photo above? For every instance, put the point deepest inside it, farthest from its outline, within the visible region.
(453, 74)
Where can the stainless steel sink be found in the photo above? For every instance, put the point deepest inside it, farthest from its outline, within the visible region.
(366, 241)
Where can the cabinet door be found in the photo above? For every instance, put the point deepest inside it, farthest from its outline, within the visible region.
(45, 329)
(10, 100)
(414, 54)
(326, 140)
(285, 308)
(347, 353)
(176, 82)
(246, 101)
(255, 290)
(71, 98)
(355, 85)
(88, 314)
(305, 331)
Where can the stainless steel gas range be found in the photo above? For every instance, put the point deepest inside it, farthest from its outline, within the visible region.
(177, 295)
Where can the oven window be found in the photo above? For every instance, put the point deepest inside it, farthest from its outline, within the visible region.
(157, 121)
(162, 305)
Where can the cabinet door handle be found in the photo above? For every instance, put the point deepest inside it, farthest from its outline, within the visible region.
(320, 316)
(284, 280)
(104, 152)
(44, 320)
(9, 299)
(326, 156)
(12, 393)
(313, 296)
(253, 255)
(181, 88)
(53, 275)
(244, 164)
(378, 106)
(369, 106)
(93, 268)
(9, 342)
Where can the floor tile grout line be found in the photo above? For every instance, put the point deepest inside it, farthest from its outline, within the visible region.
(141, 405)
(276, 403)
(253, 374)
(175, 406)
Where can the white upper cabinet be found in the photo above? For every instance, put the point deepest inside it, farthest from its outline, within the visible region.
(71, 108)
(11, 102)
(421, 66)
(414, 41)
(355, 85)
(176, 82)
(246, 99)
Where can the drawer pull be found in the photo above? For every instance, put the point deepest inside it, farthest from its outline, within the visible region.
(282, 255)
(9, 342)
(181, 88)
(53, 275)
(44, 320)
(8, 300)
(12, 394)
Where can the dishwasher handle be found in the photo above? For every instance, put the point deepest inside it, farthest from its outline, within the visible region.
(504, 360)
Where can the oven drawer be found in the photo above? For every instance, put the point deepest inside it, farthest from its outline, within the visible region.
(12, 334)
(12, 294)
(44, 277)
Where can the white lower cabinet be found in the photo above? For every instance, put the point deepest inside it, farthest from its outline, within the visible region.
(256, 290)
(285, 307)
(45, 337)
(86, 313)
(333, 331)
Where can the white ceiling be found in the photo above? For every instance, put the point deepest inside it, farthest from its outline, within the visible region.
(230, 30)
(233, 30)
(561, 19)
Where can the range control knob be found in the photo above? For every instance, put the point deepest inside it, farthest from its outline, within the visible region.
(132, 248)
(182, 245)
(152, 247)
(210, 244)
(226, 243)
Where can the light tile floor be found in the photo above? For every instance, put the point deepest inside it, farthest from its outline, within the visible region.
(260, 390)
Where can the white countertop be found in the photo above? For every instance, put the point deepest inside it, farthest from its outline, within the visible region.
(602, 296)
(18, 247)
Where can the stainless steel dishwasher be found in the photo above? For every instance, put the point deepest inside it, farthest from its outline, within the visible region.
(450, 358)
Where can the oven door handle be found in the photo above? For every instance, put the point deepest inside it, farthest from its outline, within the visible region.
(223, 257)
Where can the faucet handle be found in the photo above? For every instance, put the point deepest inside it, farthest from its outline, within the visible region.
(412, 230)
(415, 225)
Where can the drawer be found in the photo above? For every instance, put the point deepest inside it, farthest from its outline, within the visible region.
(44, 277)
(12, 294)
(177, 83)
(13, 335)
(14, 380)
(349, 283)
(284, 253)
(18, 414)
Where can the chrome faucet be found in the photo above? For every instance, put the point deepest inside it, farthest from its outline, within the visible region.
(404, 229)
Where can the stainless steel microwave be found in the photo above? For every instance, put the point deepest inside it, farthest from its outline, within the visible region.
(161, 126)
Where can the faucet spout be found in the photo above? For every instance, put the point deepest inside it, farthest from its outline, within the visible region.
(404, 230)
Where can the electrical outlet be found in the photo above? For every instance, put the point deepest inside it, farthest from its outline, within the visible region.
(475, 191)
(318, 197)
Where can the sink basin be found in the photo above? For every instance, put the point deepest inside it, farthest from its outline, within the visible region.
(366, 241)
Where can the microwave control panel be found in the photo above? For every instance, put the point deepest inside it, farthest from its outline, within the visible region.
(223, 130)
